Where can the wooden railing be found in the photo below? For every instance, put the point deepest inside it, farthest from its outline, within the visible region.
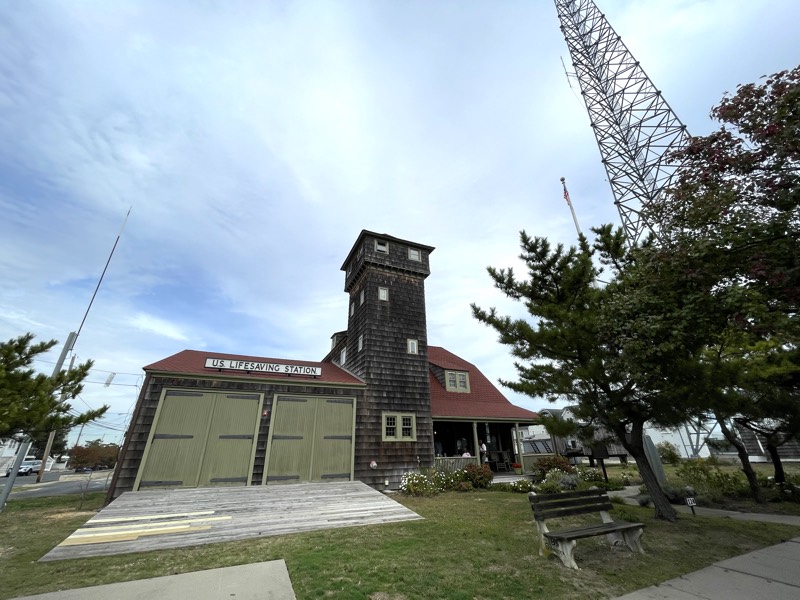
(454, 463)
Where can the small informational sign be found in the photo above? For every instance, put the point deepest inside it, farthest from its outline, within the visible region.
(259, 367)
(690, 502)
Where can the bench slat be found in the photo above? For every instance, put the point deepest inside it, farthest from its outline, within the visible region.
(557, 513)
(577, 533)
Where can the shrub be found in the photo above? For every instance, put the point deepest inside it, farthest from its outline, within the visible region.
(547, 487)
(464, 486)
(522, 486)
(611, 484)
(446, 480)
(479, 476)
(669, 453)
(547, 463)
(501, 487)
(590, 474)
(415, 483)
(709, 481)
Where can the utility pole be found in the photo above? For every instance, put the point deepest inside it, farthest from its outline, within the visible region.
(71, 339)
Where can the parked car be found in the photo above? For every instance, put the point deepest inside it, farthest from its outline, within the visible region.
(83, 470)
(28, 467)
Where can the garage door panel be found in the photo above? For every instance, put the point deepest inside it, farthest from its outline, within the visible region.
(178, 441)
(312, 440)
(333, 440)
(292, 439)
(229, 448)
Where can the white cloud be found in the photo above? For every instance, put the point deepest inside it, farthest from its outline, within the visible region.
(255, 141)
(151, 324)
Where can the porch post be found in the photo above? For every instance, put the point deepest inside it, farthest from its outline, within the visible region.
(517, 444)
(475, 440)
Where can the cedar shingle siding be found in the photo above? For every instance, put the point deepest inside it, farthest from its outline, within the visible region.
(396, 380)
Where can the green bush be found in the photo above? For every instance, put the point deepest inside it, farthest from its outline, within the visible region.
(479, 476)
(522, 486)
(709, 481)
(590, 474)
(415, 483)
(501, 487)
(464, 486)
(547, 487)
(446, 480)
(669, 453)
(547, 463)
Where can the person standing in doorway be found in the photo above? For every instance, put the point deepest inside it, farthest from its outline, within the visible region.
(482, 448)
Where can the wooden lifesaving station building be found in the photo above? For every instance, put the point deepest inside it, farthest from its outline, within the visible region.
(381, 403)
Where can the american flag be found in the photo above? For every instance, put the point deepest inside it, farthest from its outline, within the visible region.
(566, 195)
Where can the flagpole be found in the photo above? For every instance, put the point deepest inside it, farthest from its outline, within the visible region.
(572, 210)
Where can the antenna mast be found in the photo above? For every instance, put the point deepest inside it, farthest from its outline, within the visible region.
(634, 126)
(572, 210)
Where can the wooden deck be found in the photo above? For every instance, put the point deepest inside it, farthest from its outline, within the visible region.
(158, 519)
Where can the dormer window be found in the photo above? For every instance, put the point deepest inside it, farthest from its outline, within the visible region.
(414, 254)
(456, 381)
(382, 246)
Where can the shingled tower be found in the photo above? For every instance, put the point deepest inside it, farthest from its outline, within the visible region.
(386, 344)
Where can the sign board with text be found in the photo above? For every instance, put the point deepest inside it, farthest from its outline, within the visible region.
(260, 367)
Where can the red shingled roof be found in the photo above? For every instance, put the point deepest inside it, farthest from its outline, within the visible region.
(484, 401)
(192, 362)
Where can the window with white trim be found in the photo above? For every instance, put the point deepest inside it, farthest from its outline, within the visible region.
(414, 254)
(399, 427)
(412, 346)
(361, 298)
(360, 343)
(343, 356)
(382, 246)
(352, 308)
(383, 294)
(456, 381)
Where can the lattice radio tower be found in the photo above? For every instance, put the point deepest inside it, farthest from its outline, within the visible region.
(634, 126)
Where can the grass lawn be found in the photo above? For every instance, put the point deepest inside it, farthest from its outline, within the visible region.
(471, 545)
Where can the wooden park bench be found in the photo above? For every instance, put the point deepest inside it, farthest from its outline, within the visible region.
(562, 542)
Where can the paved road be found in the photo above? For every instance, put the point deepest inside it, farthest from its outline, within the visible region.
(58, 483)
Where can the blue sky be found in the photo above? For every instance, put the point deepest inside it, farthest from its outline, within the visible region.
(254, 141)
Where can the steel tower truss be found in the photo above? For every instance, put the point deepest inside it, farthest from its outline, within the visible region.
(634, 126)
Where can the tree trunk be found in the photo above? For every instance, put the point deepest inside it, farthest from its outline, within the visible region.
(664, 510)
(777, 464)
(747, 468)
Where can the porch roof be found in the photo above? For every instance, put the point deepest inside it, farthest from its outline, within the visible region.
(483, 401)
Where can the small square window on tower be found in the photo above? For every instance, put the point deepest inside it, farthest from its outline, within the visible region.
(383, 294)
(413, 346)
(382, 246)
(414, 254)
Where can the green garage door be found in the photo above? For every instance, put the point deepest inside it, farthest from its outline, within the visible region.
(311, 439)
(201, 439)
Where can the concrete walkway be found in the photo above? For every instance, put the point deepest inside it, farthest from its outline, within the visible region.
(772, 572)
(258, 581)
